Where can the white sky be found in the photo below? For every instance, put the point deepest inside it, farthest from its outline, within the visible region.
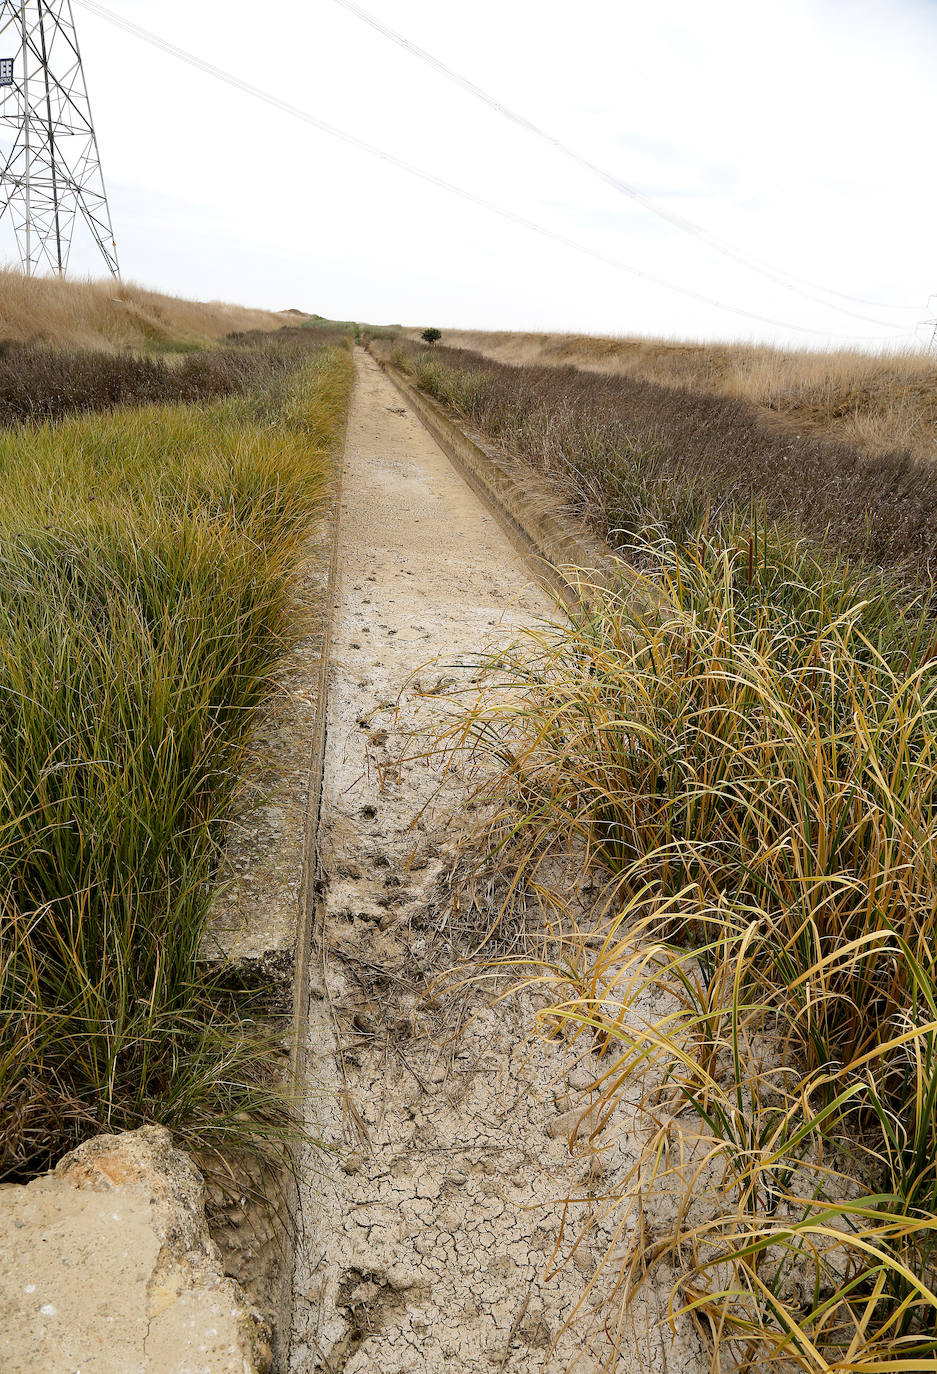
(800, 130)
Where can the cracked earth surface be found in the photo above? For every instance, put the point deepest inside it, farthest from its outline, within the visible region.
(429, 1224)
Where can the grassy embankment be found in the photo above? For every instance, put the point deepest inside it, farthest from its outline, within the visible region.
(749, 769)
(42, 382)
(119, 315)
(876, 401)
(146, 556)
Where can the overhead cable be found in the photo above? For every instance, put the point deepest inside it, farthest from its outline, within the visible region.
(778, 275)
(373, 150)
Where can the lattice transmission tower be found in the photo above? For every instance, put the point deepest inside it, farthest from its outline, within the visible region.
(51, 177)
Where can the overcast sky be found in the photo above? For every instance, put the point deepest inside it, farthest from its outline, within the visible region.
(799, 130)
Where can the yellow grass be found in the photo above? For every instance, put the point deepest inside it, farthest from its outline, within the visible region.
(878, 401)
(109, 314)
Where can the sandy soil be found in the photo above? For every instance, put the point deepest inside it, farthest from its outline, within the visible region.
(428, 1223)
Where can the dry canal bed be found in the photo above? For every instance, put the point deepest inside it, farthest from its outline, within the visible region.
(428, 1223)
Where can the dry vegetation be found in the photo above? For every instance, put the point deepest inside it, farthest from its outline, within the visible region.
(42, 382)
(748, 770)
(117, 315)
(631, 456)
(875, 401)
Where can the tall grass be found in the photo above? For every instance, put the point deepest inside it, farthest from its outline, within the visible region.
(145, 564)
(39, 382)
(748, 769)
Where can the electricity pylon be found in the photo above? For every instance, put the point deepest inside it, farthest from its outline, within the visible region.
(52, 174)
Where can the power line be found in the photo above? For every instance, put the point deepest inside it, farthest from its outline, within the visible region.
(363, 145)
(774, 274)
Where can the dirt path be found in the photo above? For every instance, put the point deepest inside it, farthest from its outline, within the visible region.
(428, 1231)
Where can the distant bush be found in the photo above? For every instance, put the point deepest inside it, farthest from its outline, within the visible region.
(431, 336)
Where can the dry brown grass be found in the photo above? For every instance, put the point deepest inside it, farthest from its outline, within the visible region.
(41, 382)
(108, 314)
(877, 401)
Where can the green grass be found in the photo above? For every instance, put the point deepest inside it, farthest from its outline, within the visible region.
(749, 769)
(146, 558)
